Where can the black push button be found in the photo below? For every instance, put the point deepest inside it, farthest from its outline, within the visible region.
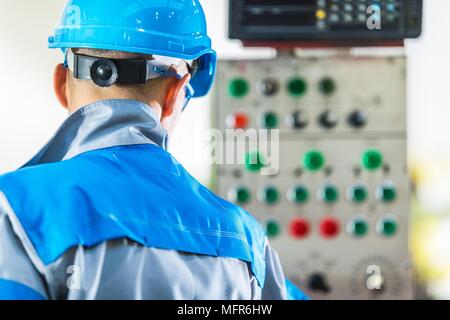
(328, 120)
(317, 282)
(297, 120)
(357, 119)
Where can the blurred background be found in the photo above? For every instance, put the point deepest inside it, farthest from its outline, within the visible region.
(30, 114)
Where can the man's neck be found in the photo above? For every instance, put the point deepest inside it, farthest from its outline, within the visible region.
(85, 100)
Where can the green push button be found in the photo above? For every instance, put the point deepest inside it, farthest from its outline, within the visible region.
(297, 87)
(358, 194)
(387, 193)
(387, 227)
(241, 195)
(372, 160)
(270, 120)
(272, 229)
(254, 161)
(327, 86)
(329, 194)
(270, 195)
(238, 88)
(358, 228)
(314, 160)
(299, 195)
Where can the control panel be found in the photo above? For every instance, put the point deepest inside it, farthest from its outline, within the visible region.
(326, 20)
(324, 167)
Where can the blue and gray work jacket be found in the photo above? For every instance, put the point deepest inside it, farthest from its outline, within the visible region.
(103, 211)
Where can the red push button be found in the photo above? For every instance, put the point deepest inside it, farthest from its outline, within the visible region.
(299, 228)
(329, 228)
(238, 121)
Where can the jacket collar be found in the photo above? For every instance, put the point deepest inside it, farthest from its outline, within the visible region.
(100, 125)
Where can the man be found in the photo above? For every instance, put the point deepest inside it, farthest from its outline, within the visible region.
(103, 211)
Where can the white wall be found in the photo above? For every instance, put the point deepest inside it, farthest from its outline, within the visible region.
(29, 113)
(429, 80)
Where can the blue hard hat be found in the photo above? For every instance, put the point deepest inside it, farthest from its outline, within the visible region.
(173, 28)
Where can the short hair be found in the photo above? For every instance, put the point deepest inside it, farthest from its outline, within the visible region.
(111, 54)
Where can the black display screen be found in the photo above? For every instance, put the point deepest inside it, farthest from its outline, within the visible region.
(280, 2)
(287, 19)
(279, 12)
(323, 20)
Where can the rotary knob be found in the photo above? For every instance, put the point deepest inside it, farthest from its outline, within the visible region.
(318, 282)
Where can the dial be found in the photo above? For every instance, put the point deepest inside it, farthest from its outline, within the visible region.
(374, 277)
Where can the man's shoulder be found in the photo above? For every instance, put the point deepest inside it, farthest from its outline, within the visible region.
(79, 168)
(47, 170)
(141, 193)
(127, 171)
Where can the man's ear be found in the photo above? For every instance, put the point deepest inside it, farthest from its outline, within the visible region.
(60, 85)
(175, 97)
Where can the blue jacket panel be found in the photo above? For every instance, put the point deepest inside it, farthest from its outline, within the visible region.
(138, 192)
(11, 290)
